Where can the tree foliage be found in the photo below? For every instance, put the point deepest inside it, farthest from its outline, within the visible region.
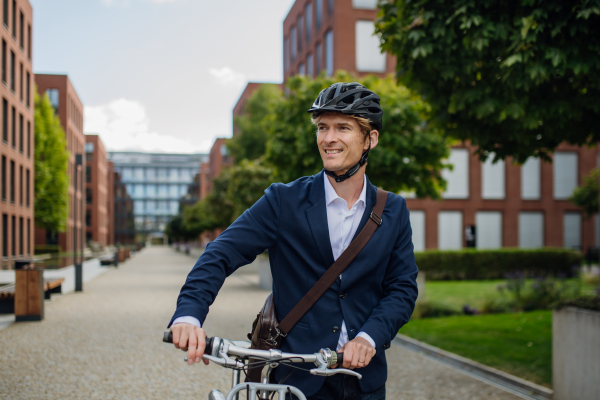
(514, 77)
(586, 195)
(410, 153)
(247, 183)
(253, 125)
(50, 159)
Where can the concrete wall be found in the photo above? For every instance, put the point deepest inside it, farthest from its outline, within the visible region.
(576, 354)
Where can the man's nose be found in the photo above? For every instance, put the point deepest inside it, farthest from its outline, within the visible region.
(330, 136)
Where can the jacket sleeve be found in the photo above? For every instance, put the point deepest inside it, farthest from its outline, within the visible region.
(250, 235)
(399, 288)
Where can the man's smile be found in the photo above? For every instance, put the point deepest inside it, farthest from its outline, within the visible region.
(333, 151)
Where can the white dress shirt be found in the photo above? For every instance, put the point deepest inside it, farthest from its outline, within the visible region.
(342, 224)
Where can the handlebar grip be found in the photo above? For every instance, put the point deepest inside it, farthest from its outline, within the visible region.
(168, 338)
(340, 359)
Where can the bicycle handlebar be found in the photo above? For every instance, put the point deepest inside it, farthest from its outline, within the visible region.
(168, 338)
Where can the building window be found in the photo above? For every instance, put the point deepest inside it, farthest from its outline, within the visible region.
(572, 230)
(14, 18)
(417, 225)
(365, 4)
(21, 236)
(21, 133)
(4, 61)
(450, 230)
(458, 179)
(88, 196)
(29, 41)
(88, 174)
(4, 234)
(300, 24)
(565, 174)
(329, 53)
(28, 90)
(21, 81)
(329, 7)
(369, 57)
(88, 217)
(88, 236)
(3, 178)
(488, 229)
(21, 185)
(21, 29)
(310, 65)
(13, 236)
(12, 181)
(28, 236)
(286, 54)
(531, 230)
(301, 70)
(319, 58)
(530, 179)
(319, 12)
(28, 139)
(493, 179)
(5, 14)
(5, 120)
(12, 71)
(54, 97)
(308, 21)
(13, 127)
(27, 188)
(294, 42)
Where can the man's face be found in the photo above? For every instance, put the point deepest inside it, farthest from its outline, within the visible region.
(341, 142)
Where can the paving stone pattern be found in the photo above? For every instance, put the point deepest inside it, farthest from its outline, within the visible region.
(105, 343)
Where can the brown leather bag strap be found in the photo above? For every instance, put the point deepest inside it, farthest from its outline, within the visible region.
(337, 267)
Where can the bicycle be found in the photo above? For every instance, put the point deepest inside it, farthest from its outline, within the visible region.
(220, 351)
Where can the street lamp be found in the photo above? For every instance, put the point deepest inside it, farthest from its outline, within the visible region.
(78, 266)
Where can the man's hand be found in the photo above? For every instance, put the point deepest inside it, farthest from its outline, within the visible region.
(357, 353)
(190, 338)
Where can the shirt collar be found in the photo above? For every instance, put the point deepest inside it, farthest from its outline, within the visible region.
(331, 195)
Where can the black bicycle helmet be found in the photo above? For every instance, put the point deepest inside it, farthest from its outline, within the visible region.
(350, 99)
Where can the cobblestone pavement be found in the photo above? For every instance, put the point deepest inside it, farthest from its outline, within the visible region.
(105, 343)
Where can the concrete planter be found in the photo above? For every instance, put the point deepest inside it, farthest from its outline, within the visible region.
(576, 354)
(265, 280)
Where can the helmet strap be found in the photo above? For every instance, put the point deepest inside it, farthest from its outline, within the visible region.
(353, 170)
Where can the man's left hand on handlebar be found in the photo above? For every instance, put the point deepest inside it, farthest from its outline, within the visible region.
(357, 353)
(190, 338)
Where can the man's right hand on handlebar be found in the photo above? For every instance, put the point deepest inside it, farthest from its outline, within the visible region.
(190, 338)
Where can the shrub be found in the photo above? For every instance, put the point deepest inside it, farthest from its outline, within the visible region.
(495, 264)
(430, 309)
(587, 302)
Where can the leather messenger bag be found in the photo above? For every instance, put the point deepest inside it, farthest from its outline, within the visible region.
(267, 332)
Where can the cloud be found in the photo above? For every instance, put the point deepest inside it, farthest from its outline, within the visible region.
(227, 76)
(126, 2)
(123, 125)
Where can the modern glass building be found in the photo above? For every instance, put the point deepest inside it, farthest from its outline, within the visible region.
(158, 183)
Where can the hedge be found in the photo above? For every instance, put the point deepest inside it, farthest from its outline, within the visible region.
(586, 302)
(497, 264)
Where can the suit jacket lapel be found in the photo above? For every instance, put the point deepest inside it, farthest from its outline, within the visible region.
(371, 200)
(317, 219)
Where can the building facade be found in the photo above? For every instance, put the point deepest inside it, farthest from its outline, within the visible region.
(17, 148)
(331, 35)
(69, 109)
(507, 205)
(97, 181)
(218, 159)
(156, 185)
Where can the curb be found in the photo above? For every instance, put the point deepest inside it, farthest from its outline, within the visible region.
(518, 386)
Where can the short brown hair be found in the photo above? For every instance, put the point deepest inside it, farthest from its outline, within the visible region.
(363, 123)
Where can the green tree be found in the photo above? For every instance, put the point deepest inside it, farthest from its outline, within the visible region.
(247, 183)
(410, 153)
(250, 142)
(586, 195)
(50, 159)
(516, 78)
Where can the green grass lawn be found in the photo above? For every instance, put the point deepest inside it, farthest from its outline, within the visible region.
(520, 343)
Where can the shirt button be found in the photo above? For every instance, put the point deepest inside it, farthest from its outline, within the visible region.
(335, 329)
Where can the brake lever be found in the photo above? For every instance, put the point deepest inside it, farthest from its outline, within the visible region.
(329, 372)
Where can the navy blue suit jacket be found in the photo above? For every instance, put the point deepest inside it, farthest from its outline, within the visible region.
(290, 221)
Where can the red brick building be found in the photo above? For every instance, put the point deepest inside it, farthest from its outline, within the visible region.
(218, 159)
(330, 35)
(96, 191)
(69, 109)
(17, 148)
(110, 203)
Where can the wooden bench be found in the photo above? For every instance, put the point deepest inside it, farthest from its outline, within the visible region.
(7, 293)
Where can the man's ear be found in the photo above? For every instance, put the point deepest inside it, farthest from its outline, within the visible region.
(374, 134)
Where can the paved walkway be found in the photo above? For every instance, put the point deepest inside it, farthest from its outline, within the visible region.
(105, 343)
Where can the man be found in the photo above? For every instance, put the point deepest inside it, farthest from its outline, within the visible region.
(306, 225)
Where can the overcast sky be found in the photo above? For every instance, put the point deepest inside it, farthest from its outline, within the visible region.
(159, 75)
